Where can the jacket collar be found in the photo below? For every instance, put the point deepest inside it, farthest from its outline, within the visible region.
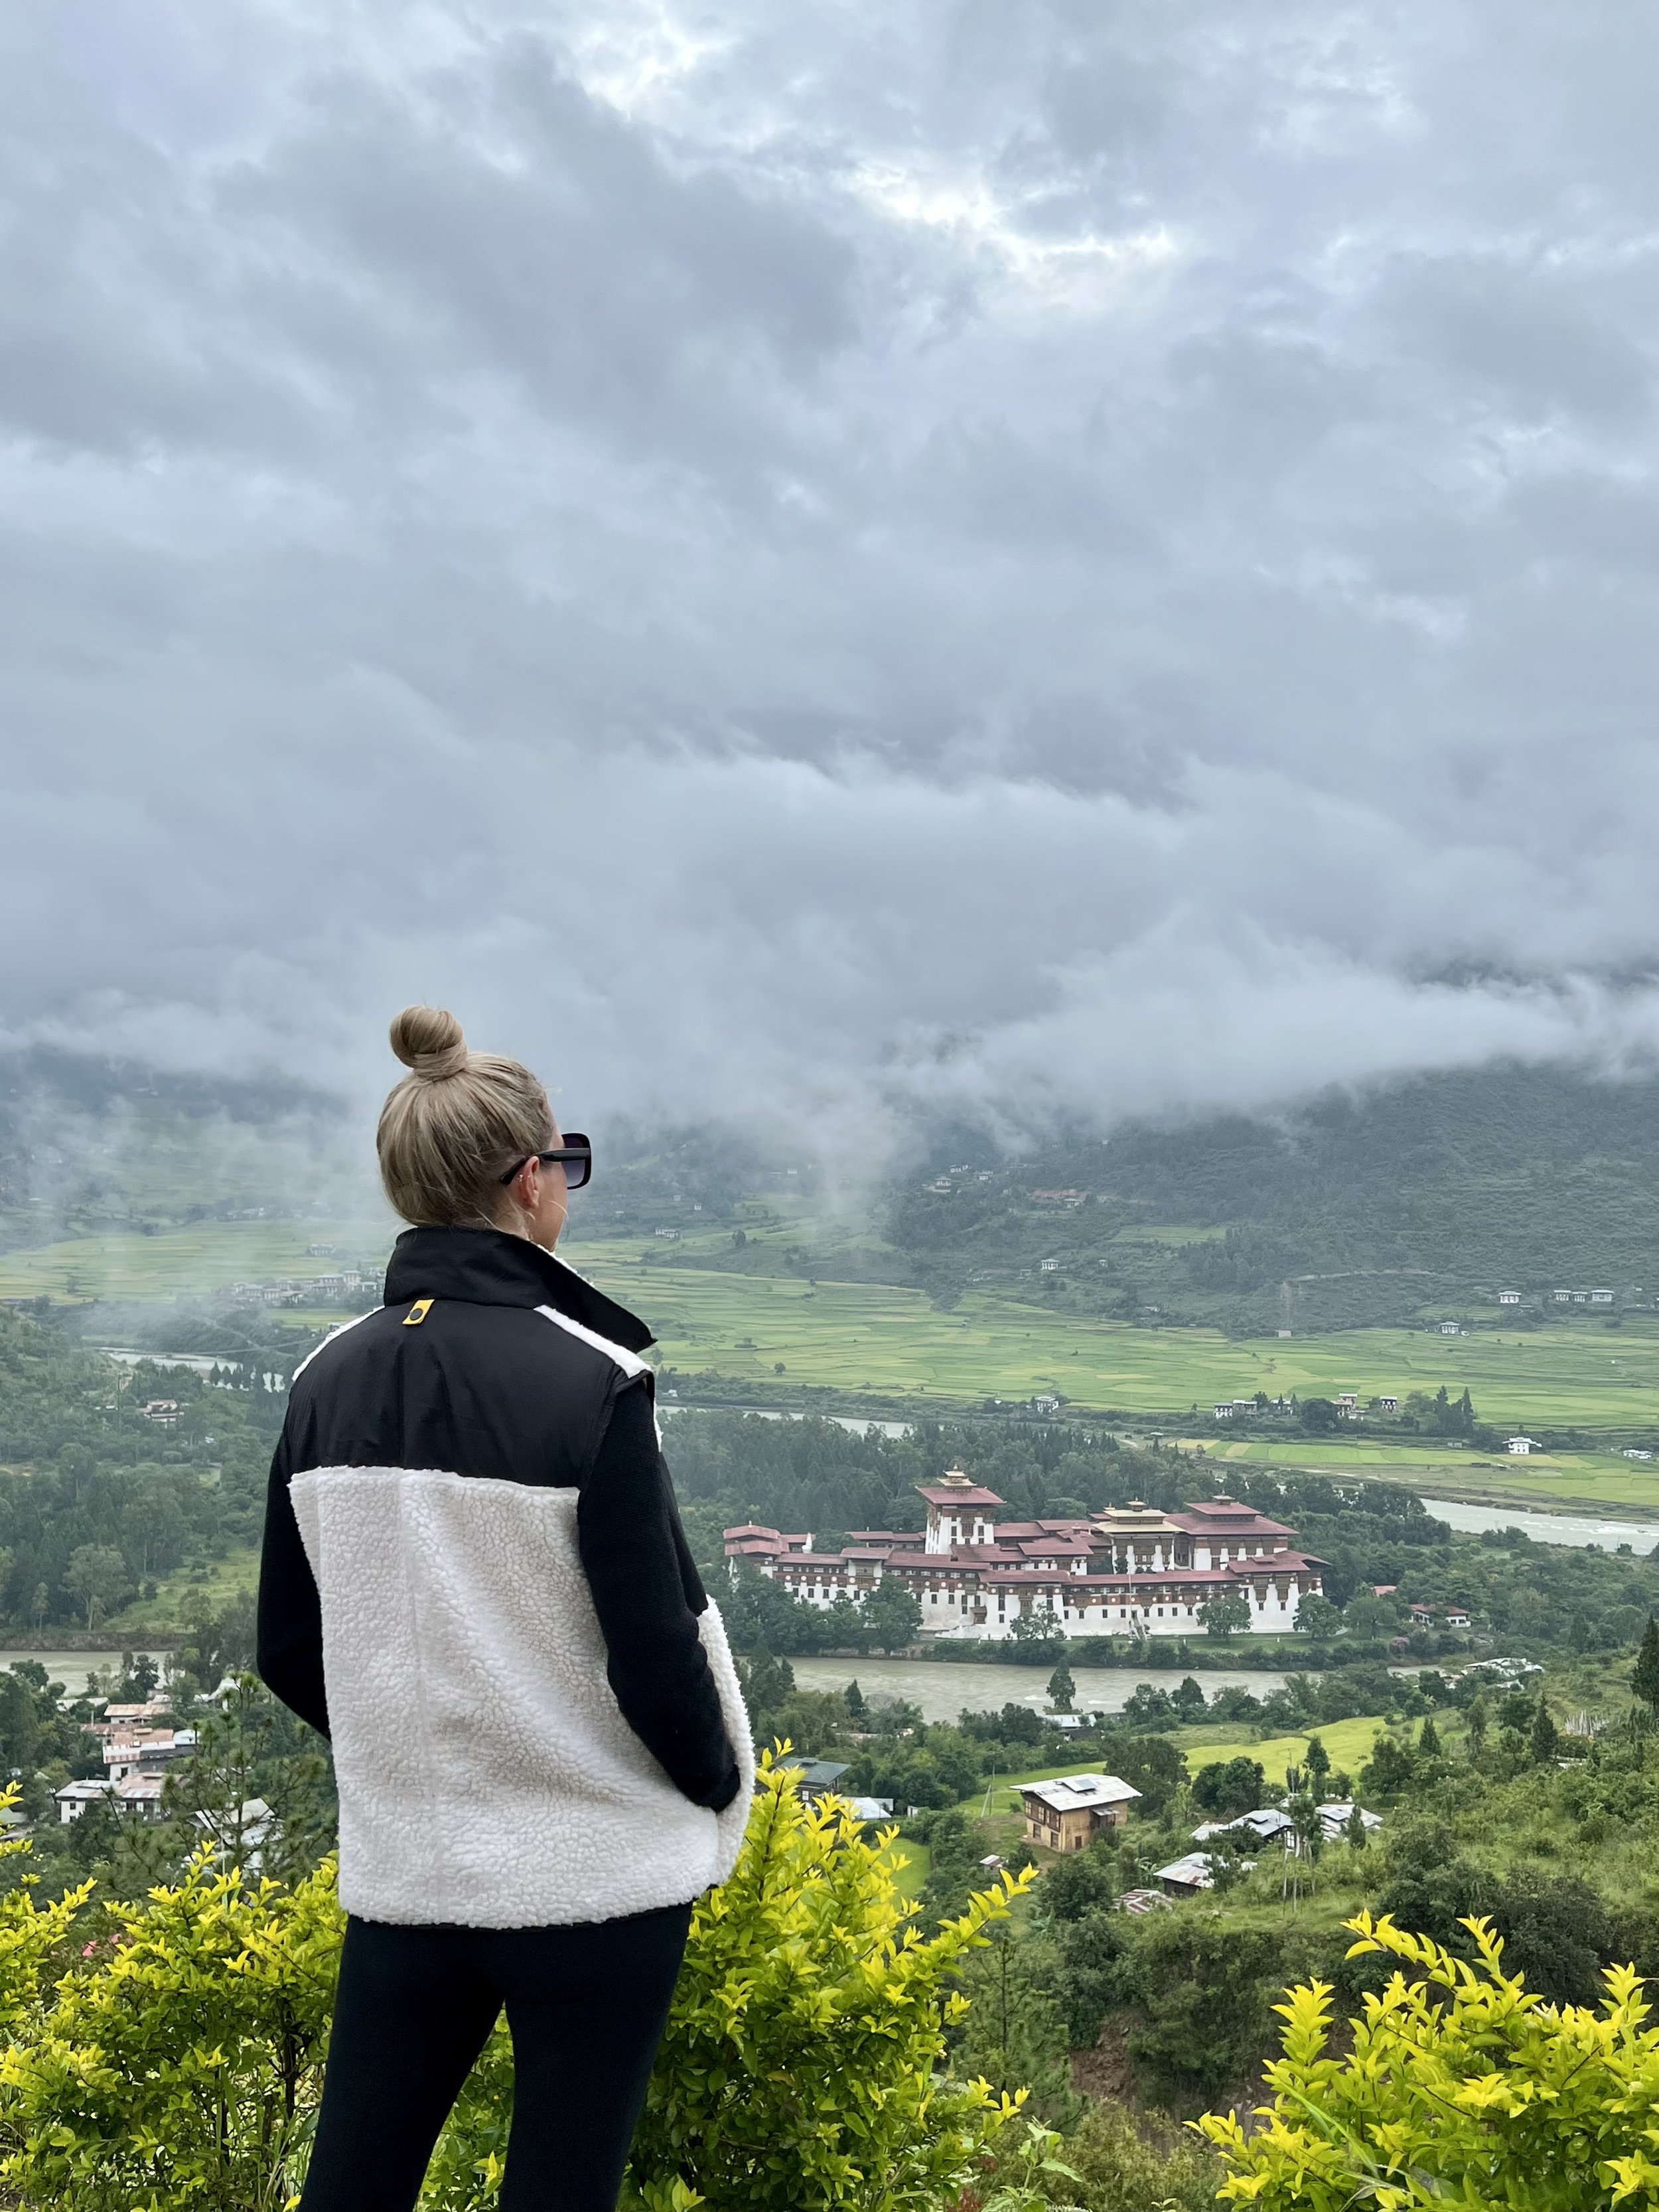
(489, 1268)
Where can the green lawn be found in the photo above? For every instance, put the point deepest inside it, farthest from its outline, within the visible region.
(1348, 1742)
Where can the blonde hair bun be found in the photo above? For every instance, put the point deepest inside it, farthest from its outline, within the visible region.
(430, 1041)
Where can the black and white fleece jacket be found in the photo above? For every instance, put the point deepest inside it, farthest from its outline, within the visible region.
(476, 1583)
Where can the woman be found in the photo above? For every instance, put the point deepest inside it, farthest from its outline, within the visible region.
(475, 1584)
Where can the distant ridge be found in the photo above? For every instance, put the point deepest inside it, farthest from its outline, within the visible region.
(1437, 1190)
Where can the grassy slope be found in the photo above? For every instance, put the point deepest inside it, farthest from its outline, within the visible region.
(163, 1614)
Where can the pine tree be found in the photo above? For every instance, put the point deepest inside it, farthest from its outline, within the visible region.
(1062, 1690)
(1357, 1834)
(854, 1696)
(1428, 1741)
(1478, 1720)
(1319, 1762)
(1645, 1679)
(1546, 1736)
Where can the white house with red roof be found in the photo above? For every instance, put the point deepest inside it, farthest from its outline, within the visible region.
(1130, 1570)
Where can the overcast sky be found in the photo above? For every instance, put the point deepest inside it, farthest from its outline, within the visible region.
(1075, 556)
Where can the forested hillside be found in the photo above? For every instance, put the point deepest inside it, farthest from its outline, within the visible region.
(1371, 1207)
(98, 1501)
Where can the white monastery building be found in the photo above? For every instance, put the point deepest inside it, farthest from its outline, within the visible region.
(1130, 1570)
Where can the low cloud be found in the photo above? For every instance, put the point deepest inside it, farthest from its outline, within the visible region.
(796, 565)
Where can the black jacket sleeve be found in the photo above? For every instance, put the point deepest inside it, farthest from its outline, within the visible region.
(289, 1650)
(647, 1594)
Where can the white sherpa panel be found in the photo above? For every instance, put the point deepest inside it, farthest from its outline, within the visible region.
(486, 1776)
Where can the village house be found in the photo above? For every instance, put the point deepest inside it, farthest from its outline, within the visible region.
(1265, 1826)
(1508, 1298)
(1521, 1447)
(73, 1799)
(1187, 1877)
(1127, 1571)
(818, 1778)
(1067, 1815)
(145, 1751)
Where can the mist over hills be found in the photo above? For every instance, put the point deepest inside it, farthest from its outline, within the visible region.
(1422, 1196)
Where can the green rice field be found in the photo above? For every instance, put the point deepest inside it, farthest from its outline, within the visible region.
(771, 1336)
(196, 1261)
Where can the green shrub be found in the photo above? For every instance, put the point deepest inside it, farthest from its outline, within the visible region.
(803, 2067)
(1205, 1982)
(166, 2054)
(175, 2064)
(1125, 2164)
(1463, 2086)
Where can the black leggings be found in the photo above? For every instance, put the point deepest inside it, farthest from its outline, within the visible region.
(586, 2005)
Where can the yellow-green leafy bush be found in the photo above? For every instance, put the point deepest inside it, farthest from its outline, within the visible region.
(803, 2065)
(166, 2055)
(172, 2062)
(1463, 2087)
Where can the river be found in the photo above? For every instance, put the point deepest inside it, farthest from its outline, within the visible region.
(72, 1667)
(1580, 1531)
(942, 1689)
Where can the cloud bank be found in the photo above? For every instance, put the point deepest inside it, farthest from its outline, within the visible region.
(1051, 559)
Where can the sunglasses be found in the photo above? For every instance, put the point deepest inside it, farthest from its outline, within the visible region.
(574, 1156)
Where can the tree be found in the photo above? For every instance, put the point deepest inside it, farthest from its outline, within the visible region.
(1225, 1616)
(1546, 1741)
(1062, 1690)
(1317, 1617)
(1037, 1633)
(1077, 1885)
(255, 1791)
(1644, 1676)
(1556, 1932)
(1189, 1700)
(1478, 1717)
(1391, 1768)
(1319, 1763)
(1205, 1982)
(893, 1617)
(1458, 2090)
(1428, 1738)
(1092, 1949)
(1319, 1416)
(854, 1698)
(168, 2052)
(1016, 2035)
(1228, 1788)
(97, 1575)
(1354, 1830)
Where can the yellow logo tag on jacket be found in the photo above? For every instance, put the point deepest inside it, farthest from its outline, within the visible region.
(417, 1313)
